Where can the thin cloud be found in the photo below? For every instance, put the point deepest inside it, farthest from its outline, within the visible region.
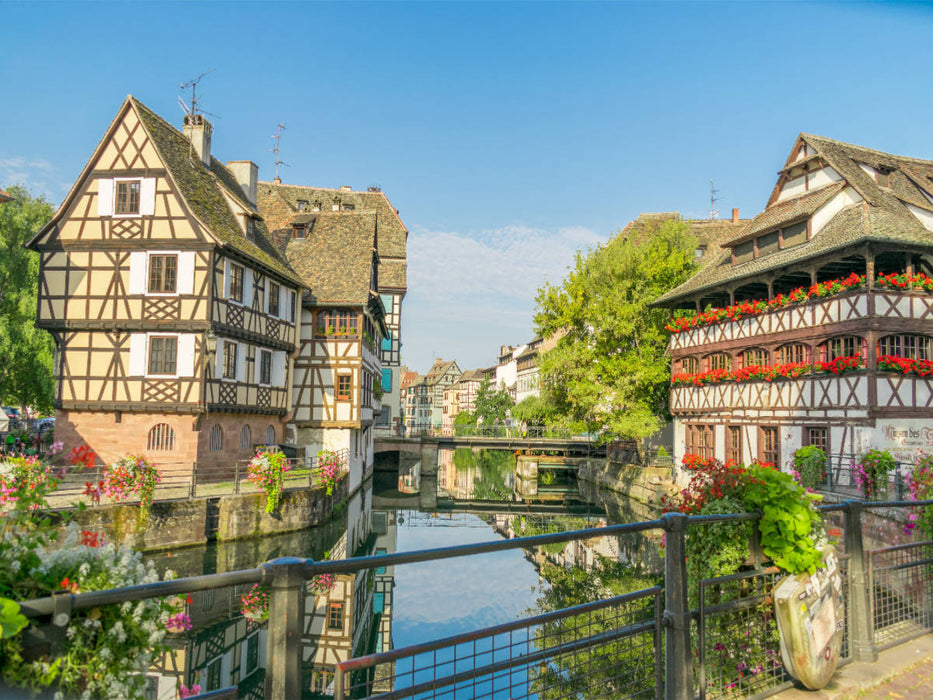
(469, 294)
(35, 174)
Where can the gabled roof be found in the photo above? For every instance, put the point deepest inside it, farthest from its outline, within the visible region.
(4, 197)
(279, 206)
(881, 216)
(472, 375)
(203, 190)
(439, 370)
(335, 259)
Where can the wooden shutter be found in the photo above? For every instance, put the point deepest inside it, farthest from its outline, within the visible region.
(278, 368)
(241, 362)
(247, 287)
(186, 272)
(104, 197)
(138, 359)
(185, 366)
(139, 273)
(219, 369)
(147, 196)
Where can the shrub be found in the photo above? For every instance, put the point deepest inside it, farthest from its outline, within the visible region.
(131, 474)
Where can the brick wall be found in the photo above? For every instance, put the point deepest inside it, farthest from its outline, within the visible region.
(111, 439)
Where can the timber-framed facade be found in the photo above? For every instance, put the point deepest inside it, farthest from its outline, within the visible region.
(824, 306)
(174, 315)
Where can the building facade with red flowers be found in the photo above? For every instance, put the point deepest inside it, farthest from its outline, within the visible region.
(813, 324)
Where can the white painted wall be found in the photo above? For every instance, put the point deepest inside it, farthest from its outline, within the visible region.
(923, 216)
(825, 213)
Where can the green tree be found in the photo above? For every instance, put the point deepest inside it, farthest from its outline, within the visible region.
(25, 351)
(609, 371)
(536, 410)
(491, 403)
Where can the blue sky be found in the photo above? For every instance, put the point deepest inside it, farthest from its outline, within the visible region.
(508, 135)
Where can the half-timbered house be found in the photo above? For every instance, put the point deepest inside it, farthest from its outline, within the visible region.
(814, 322)
(173, 313)
(338, 368)
(290, 211)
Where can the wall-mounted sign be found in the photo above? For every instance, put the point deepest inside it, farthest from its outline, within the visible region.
(810, 615)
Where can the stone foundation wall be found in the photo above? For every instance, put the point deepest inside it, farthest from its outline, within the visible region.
(185, 523)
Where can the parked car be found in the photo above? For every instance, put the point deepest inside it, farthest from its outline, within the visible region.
(13, 417)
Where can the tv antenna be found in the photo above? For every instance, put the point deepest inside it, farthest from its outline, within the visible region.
(193, 109)
(713, 211)
(275, 149)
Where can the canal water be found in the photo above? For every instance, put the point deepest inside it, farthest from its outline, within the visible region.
(476, 496)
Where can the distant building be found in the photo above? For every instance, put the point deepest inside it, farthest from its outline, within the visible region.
(441, 375)
(417, 407)
(451, 406)
(469, 382)
(528, 381)
(507, 369)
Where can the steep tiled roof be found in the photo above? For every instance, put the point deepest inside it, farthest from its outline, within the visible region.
(201, 189)
(472, 375)
(392, 234)
(4, 197)
(787, 212)
(881, 217)
(335, 258)
(439, 369)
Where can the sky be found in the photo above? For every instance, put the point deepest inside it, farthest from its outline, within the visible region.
(508, 135)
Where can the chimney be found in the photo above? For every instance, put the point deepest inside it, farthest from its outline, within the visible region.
(198, 131)
(735, 215)
(245, 172)
(277, 180)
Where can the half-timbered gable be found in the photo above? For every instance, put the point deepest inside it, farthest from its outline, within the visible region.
(338, 368)
(291, 212)
(811, 319)
(134, 285)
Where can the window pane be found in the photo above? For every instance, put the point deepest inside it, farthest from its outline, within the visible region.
(795, 234)
(155, 273)
(769, 243)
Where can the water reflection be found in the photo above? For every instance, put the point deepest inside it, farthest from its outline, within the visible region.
(474, 497)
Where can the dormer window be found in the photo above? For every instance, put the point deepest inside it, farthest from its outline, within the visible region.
(883, 177)
(699, 252)
(302, 204)
(348, 207)
(298, 231)
(771, 242)
(316, 207)
(250, 228)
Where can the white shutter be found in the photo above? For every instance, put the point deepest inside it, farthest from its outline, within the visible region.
(241, 362)
(283, 299)
(247, 287)
(219, 371)
(137, 365)
(226, 279)
(257, 366)
(104, 197)
(147, 196)
(186, 272)
(185, 366)
(278, 368)
(139, 274)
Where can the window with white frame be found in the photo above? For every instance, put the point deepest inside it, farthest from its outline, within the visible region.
(163, 352)
(230, 360)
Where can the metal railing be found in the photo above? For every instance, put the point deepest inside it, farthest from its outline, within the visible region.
(637, 645)
(190, 480)
(840, 478)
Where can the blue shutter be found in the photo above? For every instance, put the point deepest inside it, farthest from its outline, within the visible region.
(387, 380)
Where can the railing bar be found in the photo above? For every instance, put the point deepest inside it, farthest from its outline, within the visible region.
(566, 647)
(43, 606)
(900, 547)
(907, 565)
(415, 649)
(370, 562)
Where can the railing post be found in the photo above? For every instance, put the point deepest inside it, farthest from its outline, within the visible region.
(194, 480)
(898, 483)
(236, 478)
(861, 632)
(286, 613)
(678, 663)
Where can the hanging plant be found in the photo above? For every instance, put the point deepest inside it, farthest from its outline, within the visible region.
(871, 473)
(129, 475)
(329, 468)
(254, 606)
(267, 470)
